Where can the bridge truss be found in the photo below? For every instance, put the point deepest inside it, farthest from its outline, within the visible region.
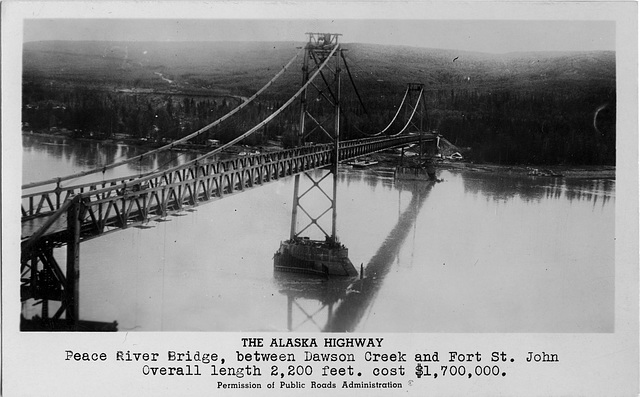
(320, 47)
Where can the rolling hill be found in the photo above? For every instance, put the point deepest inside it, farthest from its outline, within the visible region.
(543, 107)
(244, 66)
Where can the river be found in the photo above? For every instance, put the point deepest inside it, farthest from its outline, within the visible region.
(477, 252)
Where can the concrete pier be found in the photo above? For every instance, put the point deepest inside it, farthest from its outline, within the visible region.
(323, 258)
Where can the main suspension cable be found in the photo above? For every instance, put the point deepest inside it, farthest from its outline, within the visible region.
(252, 130)
(406, 93)
(172, 144)
(412, 114)
(272, 116)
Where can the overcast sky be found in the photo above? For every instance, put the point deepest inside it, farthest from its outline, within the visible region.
(471, 35)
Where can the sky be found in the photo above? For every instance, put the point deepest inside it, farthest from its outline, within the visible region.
(490, 36)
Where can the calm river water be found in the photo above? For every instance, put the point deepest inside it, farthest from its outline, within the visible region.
(478, 252)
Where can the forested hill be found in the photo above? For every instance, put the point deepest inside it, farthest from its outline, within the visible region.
(539, 108)
(132, 62)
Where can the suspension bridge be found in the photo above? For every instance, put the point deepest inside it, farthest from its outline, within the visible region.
(57, 214)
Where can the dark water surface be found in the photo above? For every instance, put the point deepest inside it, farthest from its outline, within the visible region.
(478, 252)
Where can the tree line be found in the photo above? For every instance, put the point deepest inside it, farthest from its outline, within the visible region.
(568, 124)
(98, 114)
(574, 126)
(571, 124)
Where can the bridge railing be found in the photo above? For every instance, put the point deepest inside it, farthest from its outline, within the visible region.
(122, 202)
(45, 202)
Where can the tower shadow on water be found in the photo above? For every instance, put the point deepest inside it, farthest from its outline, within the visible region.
(345, 300)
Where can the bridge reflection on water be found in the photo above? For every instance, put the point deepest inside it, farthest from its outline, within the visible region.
(344, 302)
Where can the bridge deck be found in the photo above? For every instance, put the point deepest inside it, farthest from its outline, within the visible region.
(120, 203)
(31, 226)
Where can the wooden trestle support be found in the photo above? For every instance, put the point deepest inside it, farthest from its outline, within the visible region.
(43, 281)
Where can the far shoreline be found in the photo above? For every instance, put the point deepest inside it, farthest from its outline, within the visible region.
(566, 171)
(386, 160)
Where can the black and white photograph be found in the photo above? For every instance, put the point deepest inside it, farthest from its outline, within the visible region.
(313, 179)
(478, 183)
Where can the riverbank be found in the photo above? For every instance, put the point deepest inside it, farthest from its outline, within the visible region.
(269, 146)
(389, 159)
(545, 171)
(385, 159)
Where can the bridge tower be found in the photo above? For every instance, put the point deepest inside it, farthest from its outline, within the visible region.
(319, 116)
(419, 118)
(415, 95)
(421, 167)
